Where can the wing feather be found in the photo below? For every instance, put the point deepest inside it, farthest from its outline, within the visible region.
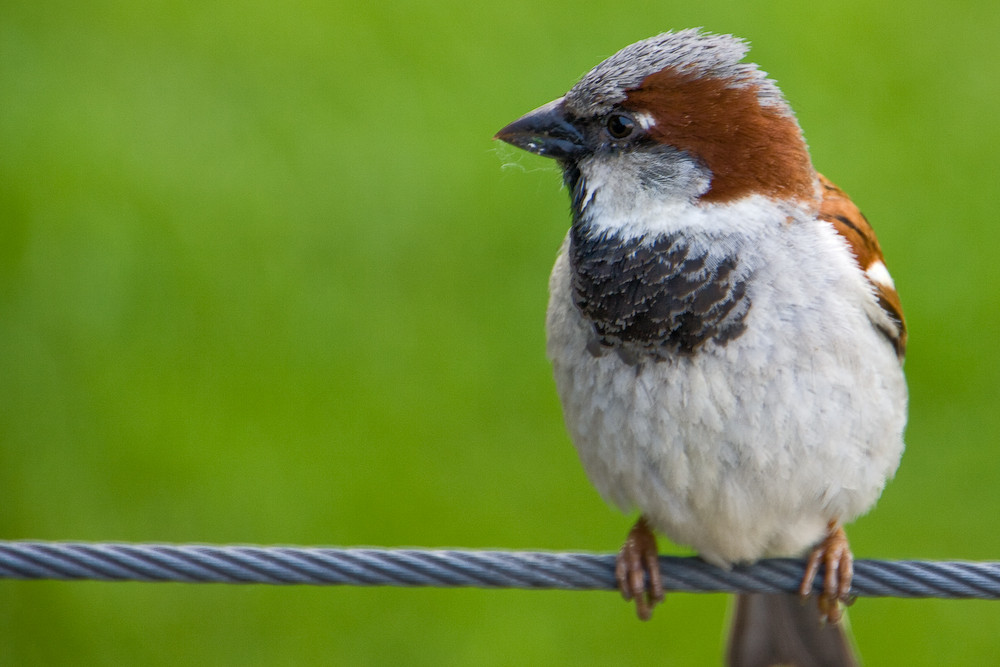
(851, 224)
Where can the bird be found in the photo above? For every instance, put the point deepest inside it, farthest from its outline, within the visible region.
(726, 339)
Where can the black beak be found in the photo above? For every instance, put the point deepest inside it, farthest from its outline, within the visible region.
(545, 131)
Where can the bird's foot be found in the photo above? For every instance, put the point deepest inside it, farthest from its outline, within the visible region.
(838, 570)
(637, 570)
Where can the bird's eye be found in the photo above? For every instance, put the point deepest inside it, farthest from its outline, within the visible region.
(620, 126)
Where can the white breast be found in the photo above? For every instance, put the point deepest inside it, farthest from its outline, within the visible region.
(744, 450)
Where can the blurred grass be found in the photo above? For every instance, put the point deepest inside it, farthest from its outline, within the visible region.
(264, 278)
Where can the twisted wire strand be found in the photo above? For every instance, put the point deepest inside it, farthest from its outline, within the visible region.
(454, 568)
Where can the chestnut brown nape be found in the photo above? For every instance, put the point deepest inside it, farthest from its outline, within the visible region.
(750, 148)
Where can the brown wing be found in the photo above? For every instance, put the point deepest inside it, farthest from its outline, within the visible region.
(840, 211)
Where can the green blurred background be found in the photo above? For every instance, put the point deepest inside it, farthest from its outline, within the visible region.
(265, 278)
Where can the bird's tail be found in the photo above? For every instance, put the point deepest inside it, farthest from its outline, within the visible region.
(770, 630)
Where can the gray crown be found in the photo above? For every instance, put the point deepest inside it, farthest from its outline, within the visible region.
(687, 51)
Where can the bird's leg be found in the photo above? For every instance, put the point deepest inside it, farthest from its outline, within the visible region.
(637, 570)
(838, 570)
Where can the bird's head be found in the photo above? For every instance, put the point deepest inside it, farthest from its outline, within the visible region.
(674, 117)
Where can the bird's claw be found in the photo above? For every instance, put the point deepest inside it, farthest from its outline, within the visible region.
(838, 569)
(637, 570)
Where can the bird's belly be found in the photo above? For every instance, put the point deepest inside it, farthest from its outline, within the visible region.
(741, 451)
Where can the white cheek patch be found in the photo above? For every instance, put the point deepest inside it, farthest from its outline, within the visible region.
(877, 273)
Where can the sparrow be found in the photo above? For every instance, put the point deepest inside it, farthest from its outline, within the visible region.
(726, 339)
